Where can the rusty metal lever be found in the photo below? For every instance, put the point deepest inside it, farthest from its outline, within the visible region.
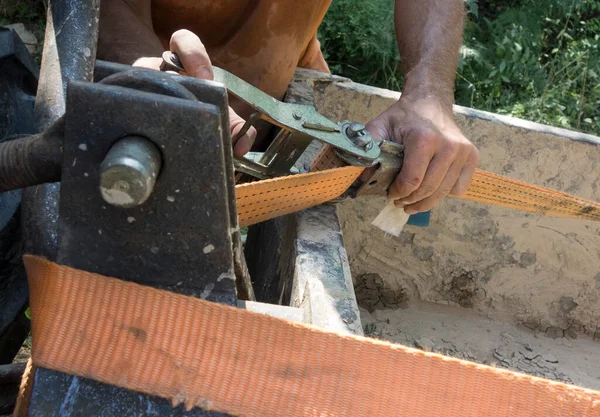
(299, 124)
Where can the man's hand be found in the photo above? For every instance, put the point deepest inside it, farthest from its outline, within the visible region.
(194, 58)
(438, 159)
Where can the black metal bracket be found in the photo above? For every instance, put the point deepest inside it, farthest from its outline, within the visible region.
(179, 239)
(184, 227)
(18, 82)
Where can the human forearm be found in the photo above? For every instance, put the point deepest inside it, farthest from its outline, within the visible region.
(438, 159)
(126, 32)
(429, 34)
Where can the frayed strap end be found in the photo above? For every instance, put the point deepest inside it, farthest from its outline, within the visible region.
(391, 219)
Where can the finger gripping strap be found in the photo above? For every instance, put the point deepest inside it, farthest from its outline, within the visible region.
(234, 361)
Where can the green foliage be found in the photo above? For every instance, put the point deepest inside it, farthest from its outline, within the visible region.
(358, 41)
(537, 61)
(32, 13)
(21, 11)
(533, 59)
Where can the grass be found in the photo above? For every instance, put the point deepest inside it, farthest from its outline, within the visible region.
(534, 59)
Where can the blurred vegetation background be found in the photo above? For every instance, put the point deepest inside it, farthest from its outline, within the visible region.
(533, 59)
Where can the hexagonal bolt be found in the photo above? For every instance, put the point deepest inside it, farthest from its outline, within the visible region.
(358, 135)
(129, 171)
(354, 129)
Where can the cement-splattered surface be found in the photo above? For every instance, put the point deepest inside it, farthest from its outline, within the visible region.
(521, 268)
(461, 333)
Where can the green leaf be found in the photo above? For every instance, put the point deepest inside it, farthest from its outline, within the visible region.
(502, 66)
(518, 46)
(28, 313)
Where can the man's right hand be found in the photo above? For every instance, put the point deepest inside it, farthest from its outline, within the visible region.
(194, 58)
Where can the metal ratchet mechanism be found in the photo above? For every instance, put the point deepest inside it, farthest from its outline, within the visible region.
(299, 126)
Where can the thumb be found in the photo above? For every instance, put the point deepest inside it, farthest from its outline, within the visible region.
(379, 128)
(379, 132)
(192, 53)
(242, 145)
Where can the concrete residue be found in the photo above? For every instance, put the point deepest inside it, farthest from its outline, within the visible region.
(461, 333)
(516, 267)
(488, 262)
(116, 197)
(226, 275)
(372, 293)
(207, 290)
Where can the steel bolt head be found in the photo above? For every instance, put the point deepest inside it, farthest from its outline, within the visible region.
(354, 129)
(359, 136)
(129, 172)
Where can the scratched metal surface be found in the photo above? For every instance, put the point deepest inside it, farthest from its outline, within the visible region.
(69, 54)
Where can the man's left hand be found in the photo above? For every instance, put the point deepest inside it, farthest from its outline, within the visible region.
(438, 159)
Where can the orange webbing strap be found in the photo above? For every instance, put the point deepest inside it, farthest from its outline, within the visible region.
(502, 191)
(263, 200)
(326, 159)
(246, 364)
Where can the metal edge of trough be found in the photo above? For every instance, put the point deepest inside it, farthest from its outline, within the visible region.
(299, 260)
(306, 79)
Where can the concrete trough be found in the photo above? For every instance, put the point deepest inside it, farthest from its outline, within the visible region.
(484, 283)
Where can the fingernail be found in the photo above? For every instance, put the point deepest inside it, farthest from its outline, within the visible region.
(399, 203)
(410, 211)
(405, 202)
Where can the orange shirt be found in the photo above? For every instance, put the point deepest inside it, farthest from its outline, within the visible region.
(260, 41)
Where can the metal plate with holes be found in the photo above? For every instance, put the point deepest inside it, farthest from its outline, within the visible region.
(298, 118)
(389, 165)
(180, 238)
